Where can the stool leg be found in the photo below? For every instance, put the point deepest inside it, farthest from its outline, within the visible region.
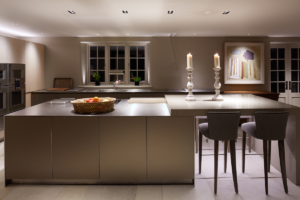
(249, 143)
(269, 155)
(196, 135)
(282, 164)
(233, 164)
(200, 151)
(243, 151)
(225, 155)
(216, 164)
(266, 164)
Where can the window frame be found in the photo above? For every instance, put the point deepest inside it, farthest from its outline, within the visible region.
(127, 45)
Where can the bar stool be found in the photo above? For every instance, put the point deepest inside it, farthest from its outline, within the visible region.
(268, 126)
(221, 126)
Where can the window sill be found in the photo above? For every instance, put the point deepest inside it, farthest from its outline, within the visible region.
(117, 86)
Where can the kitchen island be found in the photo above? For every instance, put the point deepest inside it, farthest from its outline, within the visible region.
(135, 143)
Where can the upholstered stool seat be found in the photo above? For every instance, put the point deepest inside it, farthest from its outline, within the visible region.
(203, 128)
(249, 128)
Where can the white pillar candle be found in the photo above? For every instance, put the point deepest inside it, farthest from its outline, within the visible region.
(217, 60)
(189, 60)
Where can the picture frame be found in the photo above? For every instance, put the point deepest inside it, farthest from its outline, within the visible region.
(244, 63)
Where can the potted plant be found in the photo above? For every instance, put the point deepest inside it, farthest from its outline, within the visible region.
(137, 80)
(97, 78)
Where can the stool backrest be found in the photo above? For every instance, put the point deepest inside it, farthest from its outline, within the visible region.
(271, 125)
(223, 125)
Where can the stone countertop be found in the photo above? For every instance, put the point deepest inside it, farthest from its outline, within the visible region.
(138, 91)
(122, 109)
(246, 103)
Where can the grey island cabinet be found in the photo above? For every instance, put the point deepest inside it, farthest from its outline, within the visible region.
(135, 143)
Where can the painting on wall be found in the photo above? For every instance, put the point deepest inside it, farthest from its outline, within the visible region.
(244, 63)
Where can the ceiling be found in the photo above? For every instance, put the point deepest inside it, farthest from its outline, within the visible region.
(274, 18)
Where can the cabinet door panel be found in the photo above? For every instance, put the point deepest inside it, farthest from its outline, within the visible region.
(170, 147)
(75, 147)
(28, 148)
(122, 147)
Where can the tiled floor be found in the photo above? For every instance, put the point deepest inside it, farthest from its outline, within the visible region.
(251, 185)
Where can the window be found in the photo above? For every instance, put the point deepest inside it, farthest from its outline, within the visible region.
(278, 70)
(118, 62)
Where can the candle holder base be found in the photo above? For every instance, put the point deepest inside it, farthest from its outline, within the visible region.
(217, 97)
(190, 98)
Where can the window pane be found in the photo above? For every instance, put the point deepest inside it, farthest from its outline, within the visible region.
(92, 79)
(132, 75)
(121, 78)
(141, 51)
(294, 64)
(133, 51)
(273, 64)
(273, 76)
(273, 87)
(113, 51)
(121, 64)
(101, 51)
(101, 64)
(281, 64)
(281, 53)
(273, 53)
(294, 76)
(294, 87)
(113, 64)
(141, 64)
(102, 74)
(93, 64)
(294, 53)
(142, 75)
(132, 63)
(93, 52)
(281, 87)
(281, 76)
(121, 51)
(113, 78)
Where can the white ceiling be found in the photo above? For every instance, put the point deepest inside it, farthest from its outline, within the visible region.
(149, 18)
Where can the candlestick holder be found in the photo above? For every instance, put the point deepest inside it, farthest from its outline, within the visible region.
(190, 85)
(217, 85)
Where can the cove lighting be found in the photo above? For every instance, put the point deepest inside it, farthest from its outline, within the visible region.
(170, 11)
(125, 11)
(226, 12)
(71, 12)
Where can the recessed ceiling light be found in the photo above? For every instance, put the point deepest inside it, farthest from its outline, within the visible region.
(71, 12)
(97, 34)
(125, 11)
(226, 12)
(170, 11)
(15, 24)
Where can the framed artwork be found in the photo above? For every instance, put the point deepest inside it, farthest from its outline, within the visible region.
(244, 63)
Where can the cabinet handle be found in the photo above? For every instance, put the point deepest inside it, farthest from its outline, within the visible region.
(290, 85)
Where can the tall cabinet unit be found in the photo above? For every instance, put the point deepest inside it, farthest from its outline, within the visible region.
(285, 72)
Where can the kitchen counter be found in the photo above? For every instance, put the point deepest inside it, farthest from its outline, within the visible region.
(135, 142)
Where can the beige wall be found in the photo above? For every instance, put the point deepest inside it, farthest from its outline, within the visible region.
(167, 59)
(13, 50)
